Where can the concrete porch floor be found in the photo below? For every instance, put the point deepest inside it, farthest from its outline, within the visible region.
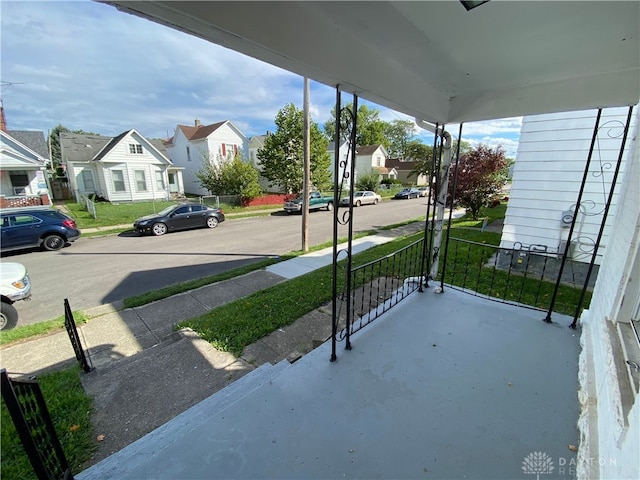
(445, 386)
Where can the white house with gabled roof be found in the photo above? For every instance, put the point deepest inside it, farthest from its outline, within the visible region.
(190, 146)
(125, 168)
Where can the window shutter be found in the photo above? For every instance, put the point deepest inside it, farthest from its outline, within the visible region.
(224, 153)
(235, 149)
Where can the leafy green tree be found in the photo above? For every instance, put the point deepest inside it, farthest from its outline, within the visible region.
(281, 157)
(481, 174)
(371, 130)
(400, 134)
(368, 181)
(54, 141)
(422, 155)
(229, 176)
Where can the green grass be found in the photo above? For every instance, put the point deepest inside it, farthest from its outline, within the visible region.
(110, 214)
(28, 332)
(233, 326)
(70, 409)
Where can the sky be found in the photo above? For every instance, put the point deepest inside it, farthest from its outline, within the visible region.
(88, 66)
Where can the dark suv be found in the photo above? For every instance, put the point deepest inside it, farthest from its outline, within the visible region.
(36, 227)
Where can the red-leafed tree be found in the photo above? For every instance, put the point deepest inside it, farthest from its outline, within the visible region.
(481, 174)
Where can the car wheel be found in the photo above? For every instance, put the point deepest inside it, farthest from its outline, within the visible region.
(159, 229)
(375, 202)
(212, 222)
(329, 206)
(53, 242)
(358, 203)
(8, 316)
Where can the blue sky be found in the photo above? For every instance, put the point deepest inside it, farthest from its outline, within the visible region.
(87, 66)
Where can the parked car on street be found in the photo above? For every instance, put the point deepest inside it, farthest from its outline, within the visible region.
(424, 191)
(43, 227)
(179, 217)
(316, 202)
(362, 197)
(14, 286)
(407, 193)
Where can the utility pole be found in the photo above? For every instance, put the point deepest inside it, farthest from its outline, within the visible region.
(306, 174)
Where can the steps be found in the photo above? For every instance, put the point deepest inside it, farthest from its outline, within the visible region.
(142, 403)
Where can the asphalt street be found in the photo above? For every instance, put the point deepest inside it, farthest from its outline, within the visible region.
(96, 271)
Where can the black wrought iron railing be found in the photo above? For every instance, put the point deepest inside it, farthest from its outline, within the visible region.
(523, 275)
(379, 285)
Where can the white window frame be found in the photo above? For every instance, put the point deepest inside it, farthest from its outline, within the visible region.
(118, 182)
(160, 180)
(135, 149)
(141, 183)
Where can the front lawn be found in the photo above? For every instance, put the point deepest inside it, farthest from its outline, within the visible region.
(70, 409)
(109, 214)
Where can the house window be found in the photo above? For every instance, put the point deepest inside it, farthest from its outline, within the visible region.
(87, 181)
(141, 181)
(159, 181)
(118, 180)
(188, 154)
(19, 182)
(378, 161)
(135, 148)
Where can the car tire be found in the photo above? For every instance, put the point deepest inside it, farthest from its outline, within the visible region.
(8, 316)
(358, 203)
(375, 202)
(158, 229)
(329, 206)
(212, 222)
(53, 242)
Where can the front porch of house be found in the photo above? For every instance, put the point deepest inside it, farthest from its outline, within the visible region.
(445, 386)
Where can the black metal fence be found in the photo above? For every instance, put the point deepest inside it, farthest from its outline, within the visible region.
(30, 415)
(72, 331)
(377, 286)
(523, 276)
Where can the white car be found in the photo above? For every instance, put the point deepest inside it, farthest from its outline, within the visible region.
(14, 286)
(362, 197)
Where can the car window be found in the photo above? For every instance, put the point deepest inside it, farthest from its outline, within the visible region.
(198, 208)
(23, 220)
(5, 221)
(183, 210)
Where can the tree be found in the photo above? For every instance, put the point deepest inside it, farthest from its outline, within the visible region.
(368, 181)
(281, 157)
(400, 135)
(371, 130)
(481, 174)
(229, 176)
(422, 155)
(54, 141)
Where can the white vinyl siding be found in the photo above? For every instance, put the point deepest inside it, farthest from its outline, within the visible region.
(552, 154)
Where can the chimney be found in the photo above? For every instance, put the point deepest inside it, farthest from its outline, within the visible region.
(3, 119)
(198, 124)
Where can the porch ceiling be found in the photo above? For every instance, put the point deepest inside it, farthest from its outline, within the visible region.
(433, 59)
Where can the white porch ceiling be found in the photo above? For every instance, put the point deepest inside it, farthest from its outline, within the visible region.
(433, 59)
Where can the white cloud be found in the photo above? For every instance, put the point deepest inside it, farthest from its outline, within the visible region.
(88, 66)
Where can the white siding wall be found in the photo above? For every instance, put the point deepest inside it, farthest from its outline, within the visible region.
(610, 437)
(120, 158)
(551, 157)
(343, 156)
(199, 150)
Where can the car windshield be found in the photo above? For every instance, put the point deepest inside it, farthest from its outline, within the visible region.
(166, 211)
